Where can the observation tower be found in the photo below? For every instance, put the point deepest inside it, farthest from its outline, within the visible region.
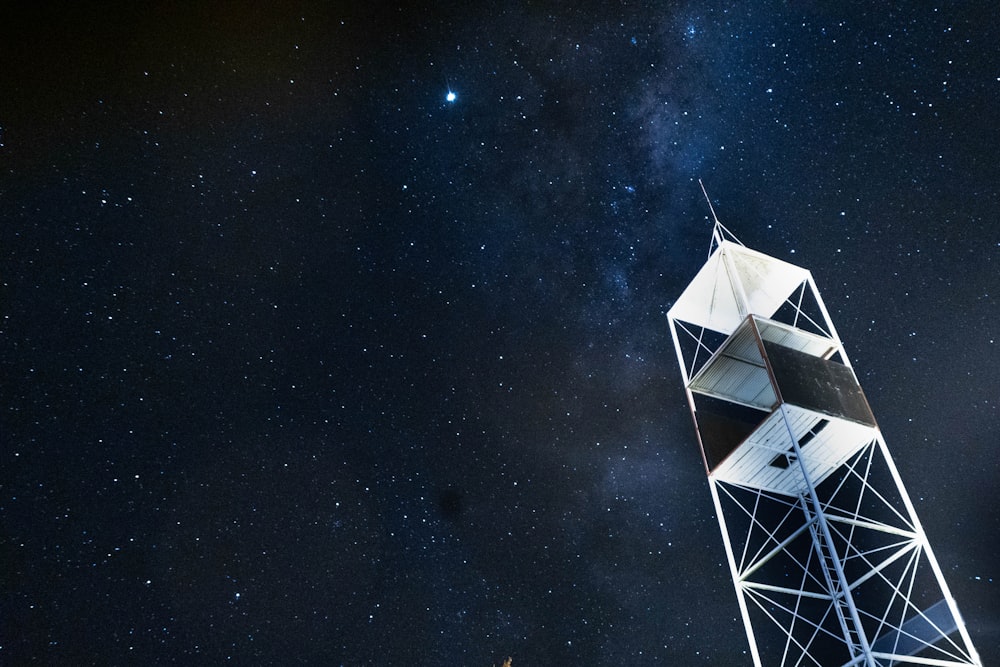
(830, 563)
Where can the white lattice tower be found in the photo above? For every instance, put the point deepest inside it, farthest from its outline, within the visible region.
(830, 563)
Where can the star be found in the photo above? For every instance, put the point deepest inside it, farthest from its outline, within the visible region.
(553, 219)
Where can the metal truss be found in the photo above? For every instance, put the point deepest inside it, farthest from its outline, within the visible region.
(804, 310)
(841, 574)
(830, 563)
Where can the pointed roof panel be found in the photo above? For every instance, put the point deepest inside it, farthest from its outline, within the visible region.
(735, 282)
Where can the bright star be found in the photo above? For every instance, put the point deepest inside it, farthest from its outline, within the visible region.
(450, 96)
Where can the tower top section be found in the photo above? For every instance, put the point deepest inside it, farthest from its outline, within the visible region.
(829, 561)
(736, 282)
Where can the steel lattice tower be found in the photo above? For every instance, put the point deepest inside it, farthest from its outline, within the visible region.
(830, 563)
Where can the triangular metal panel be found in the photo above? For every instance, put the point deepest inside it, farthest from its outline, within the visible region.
(736, 372)
(767, 282)
(735, 282)
(710, 299)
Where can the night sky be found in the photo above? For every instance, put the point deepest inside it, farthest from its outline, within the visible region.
(303, 362)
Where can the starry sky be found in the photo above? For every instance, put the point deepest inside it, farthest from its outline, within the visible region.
(335, 333)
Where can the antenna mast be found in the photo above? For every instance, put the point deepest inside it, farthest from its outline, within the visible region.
(710, 207)
(718, 228)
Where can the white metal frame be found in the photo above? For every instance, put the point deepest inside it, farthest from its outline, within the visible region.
(839, 572)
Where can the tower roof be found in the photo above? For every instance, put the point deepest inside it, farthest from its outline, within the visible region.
(735, 282)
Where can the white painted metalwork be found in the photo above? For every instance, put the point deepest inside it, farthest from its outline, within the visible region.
(829, 561)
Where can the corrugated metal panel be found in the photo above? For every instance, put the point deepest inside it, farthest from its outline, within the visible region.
(736, 372)
(739, 383)
(750, 463)
(772, 434)
(743, 345)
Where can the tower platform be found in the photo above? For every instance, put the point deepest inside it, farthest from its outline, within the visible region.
(737, 394)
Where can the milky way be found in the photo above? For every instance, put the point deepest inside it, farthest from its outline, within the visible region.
(305, 357)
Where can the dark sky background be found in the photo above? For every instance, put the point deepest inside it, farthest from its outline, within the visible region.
(303, 363)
